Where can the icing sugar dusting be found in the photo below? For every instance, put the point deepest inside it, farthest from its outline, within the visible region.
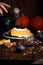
(20, 29)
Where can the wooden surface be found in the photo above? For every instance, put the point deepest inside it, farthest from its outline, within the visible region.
(31, 53)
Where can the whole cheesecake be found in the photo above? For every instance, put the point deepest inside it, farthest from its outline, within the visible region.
(19, 32)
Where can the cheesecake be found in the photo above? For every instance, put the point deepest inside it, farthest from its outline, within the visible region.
(19, 32)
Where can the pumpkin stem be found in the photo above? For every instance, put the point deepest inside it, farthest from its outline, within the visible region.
(22, 14)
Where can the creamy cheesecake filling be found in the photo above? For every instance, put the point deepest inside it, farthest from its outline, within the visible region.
(20, 32)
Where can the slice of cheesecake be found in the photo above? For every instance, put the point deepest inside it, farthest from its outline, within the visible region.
(19, 32)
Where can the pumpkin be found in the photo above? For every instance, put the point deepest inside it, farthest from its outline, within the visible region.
(23, 21)
(37, 23)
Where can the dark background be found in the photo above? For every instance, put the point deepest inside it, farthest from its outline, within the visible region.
(30, 8)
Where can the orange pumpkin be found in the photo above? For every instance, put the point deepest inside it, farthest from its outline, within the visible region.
(37, 23)
(23, 21)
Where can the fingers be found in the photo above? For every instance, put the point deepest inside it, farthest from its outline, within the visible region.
(1, 12)
(6, 5)
(4, 8)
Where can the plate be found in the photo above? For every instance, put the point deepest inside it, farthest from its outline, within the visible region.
(7, 35)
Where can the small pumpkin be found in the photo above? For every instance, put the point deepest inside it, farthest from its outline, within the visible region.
(37, 23)
(23, 21)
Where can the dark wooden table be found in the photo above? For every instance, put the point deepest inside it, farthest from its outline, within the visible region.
(31, 54)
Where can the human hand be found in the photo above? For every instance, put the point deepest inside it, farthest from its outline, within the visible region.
(3, 7)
